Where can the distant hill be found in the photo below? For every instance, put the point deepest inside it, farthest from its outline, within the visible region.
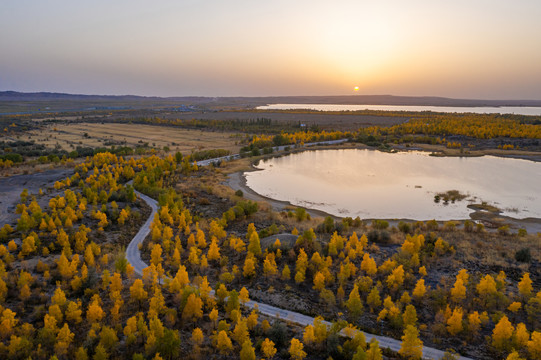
(138, 101)
(386, 100)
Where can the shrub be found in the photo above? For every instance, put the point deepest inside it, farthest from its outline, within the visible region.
(382, 237)
(208, 154)
(432, 225)
(278, 334)
(523, 255)
(239, 193)
(380, 224)
(468, 225)
(449, 226)
(16, 158)
(328, 225)
(404, 227)
(245, 208)
(503, 230)
(300, 214)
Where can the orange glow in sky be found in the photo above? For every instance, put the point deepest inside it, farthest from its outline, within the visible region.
(467, 49)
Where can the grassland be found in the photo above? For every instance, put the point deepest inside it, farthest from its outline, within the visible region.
(69, 136)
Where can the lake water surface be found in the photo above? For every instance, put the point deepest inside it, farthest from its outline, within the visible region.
(519, 110)
(374, 184)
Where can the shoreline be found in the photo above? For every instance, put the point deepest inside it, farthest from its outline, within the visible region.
(237, 181)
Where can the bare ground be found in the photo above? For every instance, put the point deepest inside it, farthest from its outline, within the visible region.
(11, 188)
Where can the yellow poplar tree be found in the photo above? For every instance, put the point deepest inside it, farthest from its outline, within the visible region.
(156, 255)
(521, 336)
(268, 349)
(63, 340)
(458, 292)
(296, 350)
(525, 286)
(247, 352)
(197, 337)
(286, 273)
(502, 334)
(419, 290)
(374, 299)
(354, 303)
(319, 281)
(249, 266)
(244, 296)
(474, 322)
(94, 313)
(214, 250)
(368, 265)
(137, 291)
(223, 343)
(534, 345)
(254, 245)
(308, 335)
(193, 309)
(454, 323)
(412, 346)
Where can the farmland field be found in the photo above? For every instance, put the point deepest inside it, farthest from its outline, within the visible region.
(69, 136)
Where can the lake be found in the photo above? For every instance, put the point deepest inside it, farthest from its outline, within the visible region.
(519, 110)
(374, 184)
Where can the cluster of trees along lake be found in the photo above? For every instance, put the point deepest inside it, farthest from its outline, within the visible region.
(67, 291)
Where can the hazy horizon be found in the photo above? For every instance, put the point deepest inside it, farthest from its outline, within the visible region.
(485, 50)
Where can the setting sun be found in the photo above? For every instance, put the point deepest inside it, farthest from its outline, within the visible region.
(356, 88)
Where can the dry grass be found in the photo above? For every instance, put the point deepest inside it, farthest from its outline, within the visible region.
(490, 248)
(69, 136)
(475, 152)
(231, 167)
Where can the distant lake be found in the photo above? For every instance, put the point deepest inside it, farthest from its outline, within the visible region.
(518, 110)
(374, 184)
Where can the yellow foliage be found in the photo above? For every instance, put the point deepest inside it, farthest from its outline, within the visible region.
(502, 333)
(412, 346)
(223, 343)
(454, 322)
(296, 350)
(268, 349)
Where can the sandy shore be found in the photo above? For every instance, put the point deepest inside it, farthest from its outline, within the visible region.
(237, 181)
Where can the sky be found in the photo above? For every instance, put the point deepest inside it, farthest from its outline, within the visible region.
(483, 49)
